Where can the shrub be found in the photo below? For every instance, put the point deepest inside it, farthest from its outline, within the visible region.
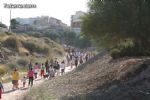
(129, 50)
(47, 40)
(3, 70)
(22, 62)
(11, 42)
(115, 53)
(135, 50)
(12, 65)
(30, 46)
(34, 47)
(58, 51)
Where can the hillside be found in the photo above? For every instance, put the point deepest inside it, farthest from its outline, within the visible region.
(101, 78)
(17, 50)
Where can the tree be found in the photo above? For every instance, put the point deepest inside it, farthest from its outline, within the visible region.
(112, 21)
(68, 37)
(82, 41)
(14, 23)
(3, 25)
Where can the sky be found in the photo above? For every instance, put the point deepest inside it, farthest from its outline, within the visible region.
(60, 9)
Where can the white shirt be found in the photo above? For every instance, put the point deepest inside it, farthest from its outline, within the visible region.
(62, 66)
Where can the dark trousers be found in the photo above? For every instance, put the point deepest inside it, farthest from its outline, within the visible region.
(0, 95)
(30, 81)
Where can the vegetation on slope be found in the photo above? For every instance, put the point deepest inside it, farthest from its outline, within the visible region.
(17, 50)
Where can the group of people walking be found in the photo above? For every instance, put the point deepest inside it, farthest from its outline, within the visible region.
(49, 69)
(75, 57)
(45, 70)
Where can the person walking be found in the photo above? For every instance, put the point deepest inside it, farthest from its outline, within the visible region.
(15, 78)
(31, 77)
(62, 67)
(30, 65)
(1, 90)
(42, 70)
(76, 62)
(86, 57)
(81, 60)
(52, 72)
(56, 66)
(23, 80)
(47, 67)
(36, 69)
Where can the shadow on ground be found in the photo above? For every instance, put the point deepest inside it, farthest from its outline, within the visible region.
(9, 91)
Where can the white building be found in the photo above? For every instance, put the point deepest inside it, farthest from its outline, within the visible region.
(28, 21)
(42, 22)
(76, 21)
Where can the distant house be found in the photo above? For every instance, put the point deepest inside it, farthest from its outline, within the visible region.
(22, 28)
(40, 23)
(76, 21)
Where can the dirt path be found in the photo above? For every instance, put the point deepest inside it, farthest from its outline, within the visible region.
(10, 94)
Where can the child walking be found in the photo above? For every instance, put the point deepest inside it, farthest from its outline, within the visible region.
(24, 81)
(1, 90)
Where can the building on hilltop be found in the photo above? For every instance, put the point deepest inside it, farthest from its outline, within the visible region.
(76, 21)
(40, 23)
(24, 21)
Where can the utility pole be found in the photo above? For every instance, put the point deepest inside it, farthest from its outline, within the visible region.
(10, 22)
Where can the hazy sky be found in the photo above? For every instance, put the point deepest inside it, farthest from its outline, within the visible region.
(61, 9)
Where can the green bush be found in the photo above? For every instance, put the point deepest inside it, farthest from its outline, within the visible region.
(22, 62)
(12, 65)
(3, 70)
(129, 50)
(135, 50)
(115, 53)
(30, 46)
(11, 42)
(34, 47)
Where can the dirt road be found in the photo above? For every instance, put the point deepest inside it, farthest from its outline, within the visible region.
(10, 94)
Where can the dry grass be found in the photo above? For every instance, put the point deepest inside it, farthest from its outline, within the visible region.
(41, 44)
(92, 76)
(48, 49)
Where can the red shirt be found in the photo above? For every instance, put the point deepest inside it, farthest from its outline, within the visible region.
(30, 73)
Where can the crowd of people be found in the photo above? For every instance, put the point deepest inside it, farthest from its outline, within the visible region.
(47, 70)
(75, 57)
